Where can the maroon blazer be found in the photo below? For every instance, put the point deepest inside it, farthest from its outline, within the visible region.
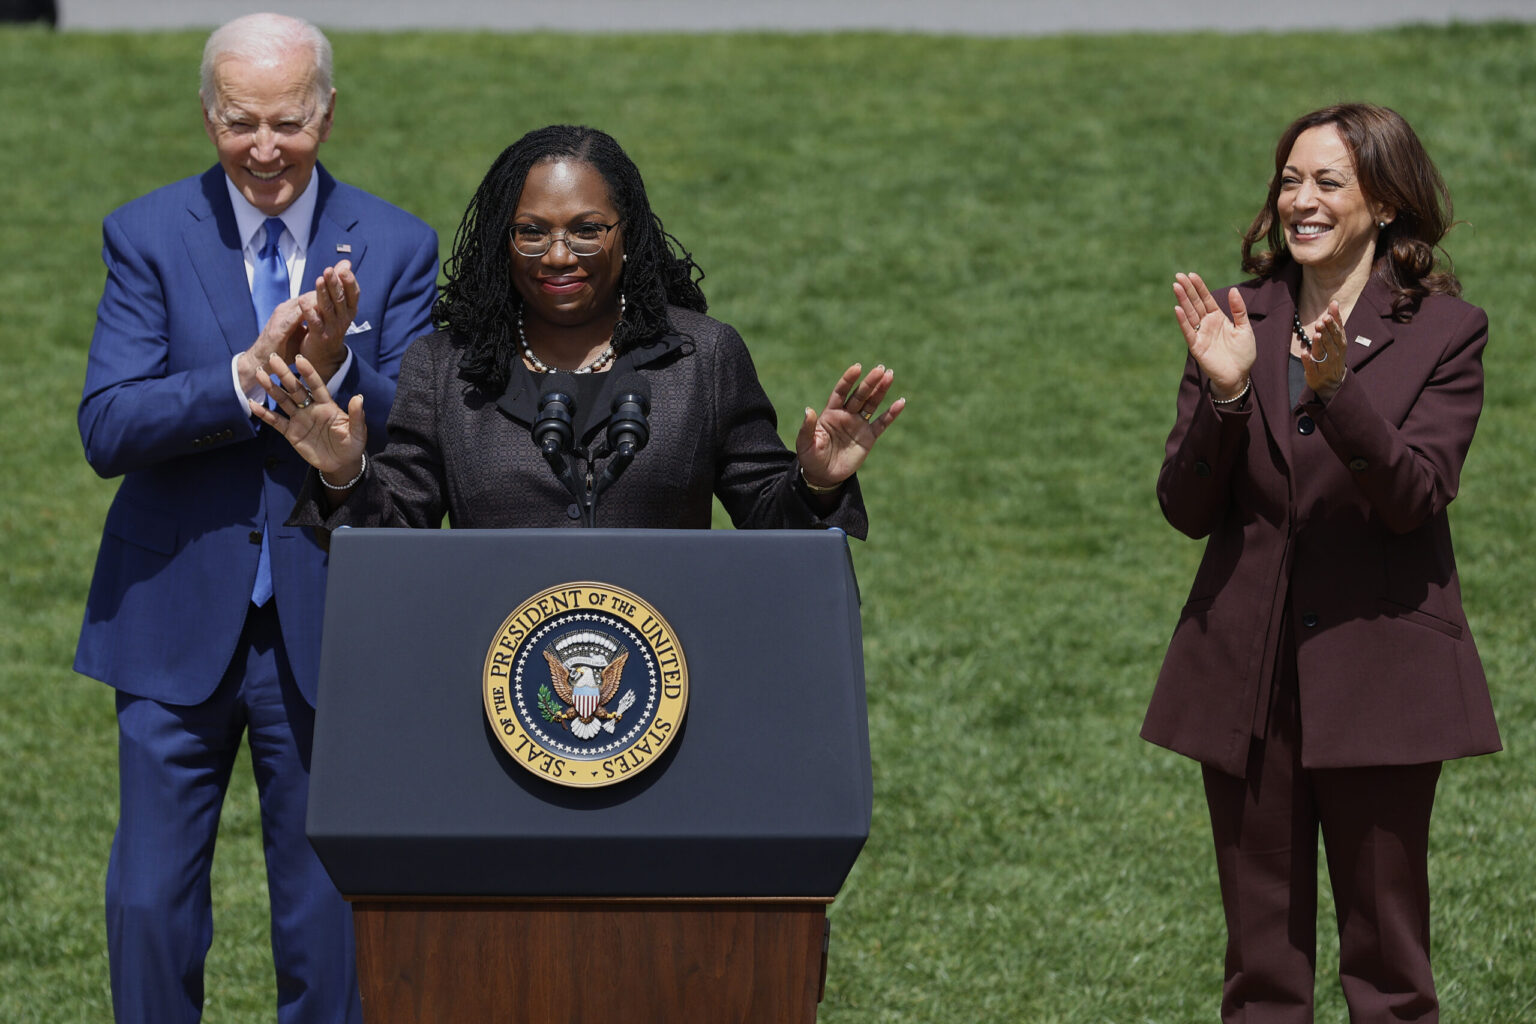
(1332, 517)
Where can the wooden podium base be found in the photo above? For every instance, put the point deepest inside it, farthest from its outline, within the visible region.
(597, 960)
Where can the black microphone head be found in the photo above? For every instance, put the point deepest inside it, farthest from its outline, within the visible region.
(628, 430)
(633, 388)
(554, 430)
(558, 384)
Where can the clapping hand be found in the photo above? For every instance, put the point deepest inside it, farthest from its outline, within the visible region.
(314, 323)
(1224, 348)
(281, 336)
(328, 313)
(832, 446)
(1324, 361)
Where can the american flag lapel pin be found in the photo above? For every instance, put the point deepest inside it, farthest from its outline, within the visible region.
(343, 246)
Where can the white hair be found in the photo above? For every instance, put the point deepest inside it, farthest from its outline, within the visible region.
(264, 39)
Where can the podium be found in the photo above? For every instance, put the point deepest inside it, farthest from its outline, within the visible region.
(692, 890)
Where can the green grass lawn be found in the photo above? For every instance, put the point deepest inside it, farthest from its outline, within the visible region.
(998, 219)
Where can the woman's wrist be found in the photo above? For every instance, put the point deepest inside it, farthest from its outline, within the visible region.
(1325, 395)
(817, 488)
(361, 469)
(1227, 399)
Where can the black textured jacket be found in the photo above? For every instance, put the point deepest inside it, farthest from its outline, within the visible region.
(457, 451)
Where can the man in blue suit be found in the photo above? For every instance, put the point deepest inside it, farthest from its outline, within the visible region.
(204, 608)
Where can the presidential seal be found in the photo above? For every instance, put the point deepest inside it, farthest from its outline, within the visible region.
(585, 684)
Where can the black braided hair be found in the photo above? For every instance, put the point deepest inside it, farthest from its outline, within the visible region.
(479, 303)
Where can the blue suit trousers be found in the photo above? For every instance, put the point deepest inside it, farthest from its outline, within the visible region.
(174, 768)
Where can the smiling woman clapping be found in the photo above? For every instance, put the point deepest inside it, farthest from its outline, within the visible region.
(1322, 668)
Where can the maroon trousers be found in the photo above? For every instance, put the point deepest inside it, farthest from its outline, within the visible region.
(1375, 826)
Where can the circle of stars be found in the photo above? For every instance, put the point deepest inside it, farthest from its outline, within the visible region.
(641, 721)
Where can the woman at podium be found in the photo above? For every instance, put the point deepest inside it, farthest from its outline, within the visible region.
(571, 312)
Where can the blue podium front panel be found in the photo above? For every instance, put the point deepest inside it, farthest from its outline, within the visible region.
(765, 789)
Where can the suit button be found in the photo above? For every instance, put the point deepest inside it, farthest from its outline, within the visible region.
(1358, 464)
(1305, 425)
(271, 462)
(573, 510)
(1202, 468)
(255, 537)
(1309, 620)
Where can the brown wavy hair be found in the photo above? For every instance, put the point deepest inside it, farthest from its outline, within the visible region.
(1392, 168)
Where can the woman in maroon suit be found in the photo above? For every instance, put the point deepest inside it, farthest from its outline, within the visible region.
(1322, 668)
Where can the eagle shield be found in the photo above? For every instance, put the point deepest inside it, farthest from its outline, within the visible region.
(585, 669)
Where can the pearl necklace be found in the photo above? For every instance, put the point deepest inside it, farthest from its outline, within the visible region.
(602, 360)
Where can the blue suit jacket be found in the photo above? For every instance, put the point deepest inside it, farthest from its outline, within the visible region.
(201, 477)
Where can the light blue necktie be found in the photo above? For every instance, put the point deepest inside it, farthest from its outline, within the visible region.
(269, 288)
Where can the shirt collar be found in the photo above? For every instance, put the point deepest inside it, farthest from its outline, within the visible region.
(297, 218)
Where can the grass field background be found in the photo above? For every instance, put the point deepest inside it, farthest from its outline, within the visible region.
(1000, 220)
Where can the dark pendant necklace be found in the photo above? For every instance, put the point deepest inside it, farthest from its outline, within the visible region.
(1301, 332)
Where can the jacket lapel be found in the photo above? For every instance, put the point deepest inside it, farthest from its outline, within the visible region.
(1370, 327)
(520, 401)
(331, 235)
(1270, 311)
(213, 244)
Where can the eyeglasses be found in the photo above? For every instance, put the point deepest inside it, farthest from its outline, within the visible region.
(582, 240)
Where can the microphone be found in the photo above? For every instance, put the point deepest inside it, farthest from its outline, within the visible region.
(628, 429)
(553, 431)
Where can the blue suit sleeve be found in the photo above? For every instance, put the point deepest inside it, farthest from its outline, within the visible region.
(142, 403)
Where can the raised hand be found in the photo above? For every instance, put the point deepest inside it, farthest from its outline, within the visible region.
(1323, 362)
(326, 436)
(1224, 348)
(328, 312)
(832, 446)
(281, 335)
